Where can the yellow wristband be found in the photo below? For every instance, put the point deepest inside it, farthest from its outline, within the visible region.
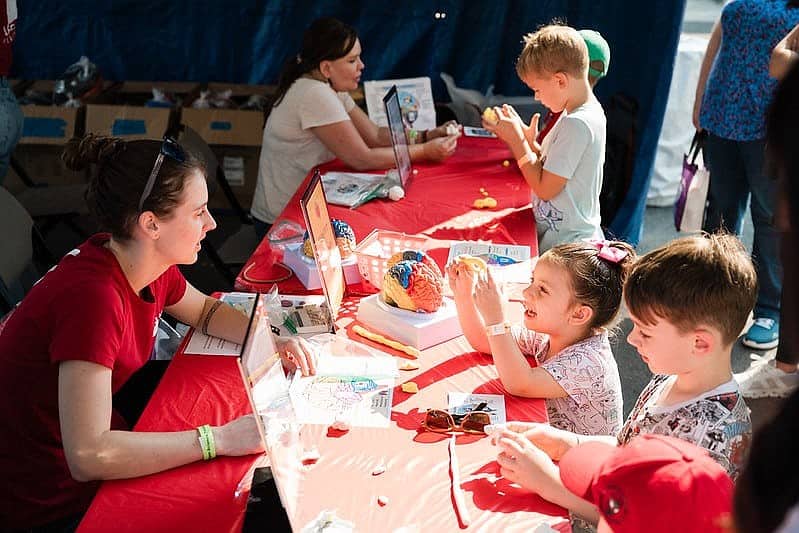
(498, 329)
(207, 443)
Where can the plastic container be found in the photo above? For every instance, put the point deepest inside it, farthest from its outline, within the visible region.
(374, 251)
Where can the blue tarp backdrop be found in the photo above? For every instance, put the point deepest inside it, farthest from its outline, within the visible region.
(247, 41)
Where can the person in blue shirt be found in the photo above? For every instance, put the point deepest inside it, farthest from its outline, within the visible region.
(732, 97)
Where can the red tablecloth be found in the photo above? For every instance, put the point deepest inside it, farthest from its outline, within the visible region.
(438, 204)
(207, 389)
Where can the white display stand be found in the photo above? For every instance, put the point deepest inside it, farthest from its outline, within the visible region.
(678, 130)
(420, 330)
(305, 268)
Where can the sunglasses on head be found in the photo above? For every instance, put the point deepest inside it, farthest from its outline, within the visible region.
(474, 421)
(169, 148)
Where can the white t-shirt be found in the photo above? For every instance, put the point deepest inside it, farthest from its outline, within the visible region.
(588, 373)
(574, 150)
(717, 420)
(290, 149)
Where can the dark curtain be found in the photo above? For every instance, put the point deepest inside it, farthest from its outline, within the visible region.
(247, 41)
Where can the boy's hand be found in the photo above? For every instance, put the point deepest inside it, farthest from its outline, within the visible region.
(552, 441)
(509, 126)
(531, 131)
(488, 299)
(522, 463)
(461, 280)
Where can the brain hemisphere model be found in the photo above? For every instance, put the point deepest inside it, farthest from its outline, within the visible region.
(345, 239)
(413, 281)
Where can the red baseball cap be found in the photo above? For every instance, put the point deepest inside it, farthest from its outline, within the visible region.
(654, 483)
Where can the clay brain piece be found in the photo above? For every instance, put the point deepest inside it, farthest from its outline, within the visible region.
(413, 282)
(345, 239)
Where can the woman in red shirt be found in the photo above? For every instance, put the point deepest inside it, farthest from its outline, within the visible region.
(90, 323)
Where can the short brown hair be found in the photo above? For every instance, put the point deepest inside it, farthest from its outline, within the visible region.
(552, 49)
(705, 279)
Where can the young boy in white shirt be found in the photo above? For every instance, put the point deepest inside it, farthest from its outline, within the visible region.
(689, 301)
(565, 171)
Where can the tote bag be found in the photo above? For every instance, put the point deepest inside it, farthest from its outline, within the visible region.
(689, 210)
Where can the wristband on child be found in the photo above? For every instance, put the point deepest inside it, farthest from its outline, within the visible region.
(523, 160)
(498, 329)
(207, 444)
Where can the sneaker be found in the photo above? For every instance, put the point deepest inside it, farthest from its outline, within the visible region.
(764, 380)
(764, 334)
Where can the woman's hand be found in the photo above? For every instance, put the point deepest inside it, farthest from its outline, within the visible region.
(524, 464)
(488, 299)
(239, 437)
(440, 148)
(443, 130)
(552, 441)
(461, 279)
(295, 352)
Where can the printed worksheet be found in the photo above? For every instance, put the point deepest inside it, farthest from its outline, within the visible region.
(460, 403)
(357, 400)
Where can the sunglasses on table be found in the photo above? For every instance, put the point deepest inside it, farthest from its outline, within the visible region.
(169, 148)
(474, 421)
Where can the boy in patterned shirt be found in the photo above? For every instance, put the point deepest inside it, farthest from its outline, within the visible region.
(688, 300)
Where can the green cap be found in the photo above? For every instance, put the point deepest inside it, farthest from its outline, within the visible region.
(598, 50)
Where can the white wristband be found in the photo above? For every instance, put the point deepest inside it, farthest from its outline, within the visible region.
(498, 329)
(523, 160)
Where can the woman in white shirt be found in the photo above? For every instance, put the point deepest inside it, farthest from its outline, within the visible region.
(314, 120)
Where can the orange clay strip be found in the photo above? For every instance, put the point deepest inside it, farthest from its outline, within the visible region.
(372, 336)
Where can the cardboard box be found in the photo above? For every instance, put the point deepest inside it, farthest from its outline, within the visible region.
(47, 124)
(240, 164)
(121, 111)
(234, 127)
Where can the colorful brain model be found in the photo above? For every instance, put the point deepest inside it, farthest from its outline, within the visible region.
(345, 239)
(414, 282)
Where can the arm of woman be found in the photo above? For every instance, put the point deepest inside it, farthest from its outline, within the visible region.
(785, 54)
(345, 141)
(93, 451)
(707, 63)
(210, 315)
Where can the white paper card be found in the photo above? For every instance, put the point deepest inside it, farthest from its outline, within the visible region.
(460, 403)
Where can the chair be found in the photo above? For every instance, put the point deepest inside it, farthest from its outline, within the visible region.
(19, 240)
(52, 204)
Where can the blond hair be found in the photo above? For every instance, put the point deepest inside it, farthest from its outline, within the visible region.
(553, 48)
(701, 280)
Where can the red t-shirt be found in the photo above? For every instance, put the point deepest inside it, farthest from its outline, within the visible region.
(8, 25)
(83, 309)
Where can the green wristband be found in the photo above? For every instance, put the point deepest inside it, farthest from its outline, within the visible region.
(207, 443)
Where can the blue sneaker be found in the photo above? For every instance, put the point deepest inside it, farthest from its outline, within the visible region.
(764, 334)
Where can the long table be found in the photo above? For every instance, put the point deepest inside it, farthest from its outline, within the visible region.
(416, 484)
(438, 204)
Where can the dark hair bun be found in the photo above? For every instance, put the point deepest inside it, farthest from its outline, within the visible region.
(80, 152)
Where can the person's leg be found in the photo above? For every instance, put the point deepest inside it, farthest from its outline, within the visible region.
(787, 352)
(728, 192)
(764, 334)
(10, 126)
